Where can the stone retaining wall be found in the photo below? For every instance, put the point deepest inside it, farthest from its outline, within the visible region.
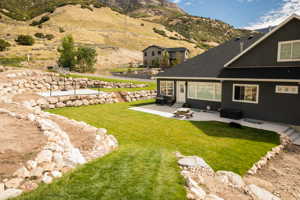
(83, 100)
(43, 81)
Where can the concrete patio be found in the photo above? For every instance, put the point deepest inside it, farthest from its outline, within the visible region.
(167, 111)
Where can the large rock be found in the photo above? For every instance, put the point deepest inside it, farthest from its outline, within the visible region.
(10, 193)
(14, 183)
(22, 172)
(235, 179)
(258, 193)
(194, 161)
(195, 188)
(44, 156)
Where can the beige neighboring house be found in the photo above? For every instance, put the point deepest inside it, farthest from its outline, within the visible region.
(153, 54)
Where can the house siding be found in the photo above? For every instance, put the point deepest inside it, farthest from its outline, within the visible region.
(271, 106)
(200, 104)
(265, 53)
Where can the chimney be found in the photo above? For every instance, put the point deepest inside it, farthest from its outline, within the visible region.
(241, 46)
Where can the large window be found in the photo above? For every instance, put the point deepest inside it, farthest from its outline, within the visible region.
(167, 88)
(289, 51)
(208, 91)
(245, 93)
(284, 89)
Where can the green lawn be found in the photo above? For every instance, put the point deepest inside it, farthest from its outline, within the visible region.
(144, 167)
(126, 69)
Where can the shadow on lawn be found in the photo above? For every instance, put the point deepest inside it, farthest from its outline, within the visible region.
(221, 129)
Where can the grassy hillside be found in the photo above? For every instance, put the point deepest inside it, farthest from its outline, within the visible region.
(118, 38)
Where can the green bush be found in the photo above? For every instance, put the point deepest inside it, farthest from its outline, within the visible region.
(49, 36)
(26, 40)
(4, 45)
(86, 59)
(41, 21)
(160, 32)
(67, 52)
(39, 35)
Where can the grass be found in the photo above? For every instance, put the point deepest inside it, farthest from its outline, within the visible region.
(151, 85)
(126, 69)
(144, 166)
(12, 62)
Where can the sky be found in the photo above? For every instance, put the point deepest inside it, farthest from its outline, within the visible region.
(250, 14)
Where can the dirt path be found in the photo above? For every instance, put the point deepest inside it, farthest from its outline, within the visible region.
(282, 175)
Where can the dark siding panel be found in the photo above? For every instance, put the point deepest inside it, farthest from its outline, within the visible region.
(203, 104)
(265, 54)
(272, 106)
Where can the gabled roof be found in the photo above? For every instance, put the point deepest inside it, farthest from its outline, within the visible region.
(176, 49)
(211, 62)
(162, 48)
(294, 16)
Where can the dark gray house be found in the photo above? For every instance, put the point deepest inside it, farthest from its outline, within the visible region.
(258, 76)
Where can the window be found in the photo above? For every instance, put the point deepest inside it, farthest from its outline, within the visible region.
(289, 51)
(208, 91)
(245, 93)
(145, 54)
(153, 53)
(286, 89)
(167, 88)
(159, 52)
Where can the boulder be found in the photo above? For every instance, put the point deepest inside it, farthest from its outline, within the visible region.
(37, 172)
(194, 161)
(235, 179)
(29, 186)
(14, 183)
(47, 179)
(195, 188)
(44, 156)
(22, 173)
(102, 131)
(259, 193)
(56, 174)
(10, 193)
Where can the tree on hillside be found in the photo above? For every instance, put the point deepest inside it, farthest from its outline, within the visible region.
(165, 61)
(4, 45)
(86, 59)
(67, 52)
(177, 60)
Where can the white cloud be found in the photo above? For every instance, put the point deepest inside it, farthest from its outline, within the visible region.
(275, 17)
(176, 1)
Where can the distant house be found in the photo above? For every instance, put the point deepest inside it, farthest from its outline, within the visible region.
(256, 77)
(153, 55)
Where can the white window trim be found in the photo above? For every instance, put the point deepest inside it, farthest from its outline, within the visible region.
(245, 101)
(279, 51)
(279, 92)
(173, 83)
(203, 99)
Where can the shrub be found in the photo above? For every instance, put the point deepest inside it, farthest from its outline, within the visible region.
(4, 45)
(142, 24)
(49, 36)
(61, 30)
(39, 35)
(86, 59)
(26, 40)
(67, 52)
(160, 32)
(87, 7)
(42, 20)
(173, 38)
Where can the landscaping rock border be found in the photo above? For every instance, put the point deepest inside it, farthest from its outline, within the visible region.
(195, 171)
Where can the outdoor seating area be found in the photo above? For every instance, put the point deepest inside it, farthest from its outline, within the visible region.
(202, 115)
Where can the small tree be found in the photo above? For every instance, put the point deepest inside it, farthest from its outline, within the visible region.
(4, 45)
(86, 59)
(67, 52)
(26, 40)
(177, 60)
(165, 61)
